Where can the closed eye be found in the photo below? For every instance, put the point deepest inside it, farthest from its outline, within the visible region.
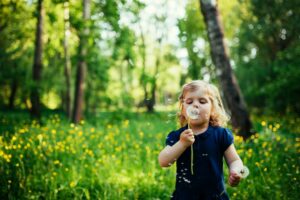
(203, 101)
(189, 101)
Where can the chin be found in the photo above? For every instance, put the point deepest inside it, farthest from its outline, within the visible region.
(199, 123)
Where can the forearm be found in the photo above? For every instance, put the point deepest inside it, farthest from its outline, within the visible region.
(236, 165)
(170, 154)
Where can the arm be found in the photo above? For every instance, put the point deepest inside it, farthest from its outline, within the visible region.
(171, 153)
(233, 162)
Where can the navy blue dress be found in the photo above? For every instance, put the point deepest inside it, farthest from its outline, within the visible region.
(207, 182)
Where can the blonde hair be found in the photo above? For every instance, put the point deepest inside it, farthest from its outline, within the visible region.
(218, 115)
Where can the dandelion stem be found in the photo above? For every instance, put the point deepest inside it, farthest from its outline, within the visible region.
(192, 152)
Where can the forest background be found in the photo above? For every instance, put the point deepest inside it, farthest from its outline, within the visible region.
(89, 91)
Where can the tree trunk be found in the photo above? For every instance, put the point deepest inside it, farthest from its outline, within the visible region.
(143, 79)
(152, 101)
(67, 67)
(12, 96)
(233, 97)
(37, 64)
(81, 67)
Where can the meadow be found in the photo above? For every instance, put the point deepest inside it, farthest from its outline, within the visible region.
(114, 156)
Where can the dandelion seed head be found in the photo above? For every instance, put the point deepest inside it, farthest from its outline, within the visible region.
(192, 112)
(242, 172)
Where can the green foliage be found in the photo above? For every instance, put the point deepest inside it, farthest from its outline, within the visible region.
(114, 156)
(193, 37)
(16, 47)
(267, 55)
(110, 11)
(124, 46)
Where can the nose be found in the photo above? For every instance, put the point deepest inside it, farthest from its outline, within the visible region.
(195, 104)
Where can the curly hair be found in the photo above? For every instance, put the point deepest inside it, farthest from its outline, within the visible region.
(218, 115)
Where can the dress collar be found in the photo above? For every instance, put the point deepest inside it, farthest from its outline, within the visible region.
(205, 134)
(202, 135)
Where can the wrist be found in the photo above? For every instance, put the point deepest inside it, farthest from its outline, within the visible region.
(236, 165)
(183, 144)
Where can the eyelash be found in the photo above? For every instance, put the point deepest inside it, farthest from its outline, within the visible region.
(200, 101)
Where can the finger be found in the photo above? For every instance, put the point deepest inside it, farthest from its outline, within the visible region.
(235, 182)
(232, 180)
(191, 134)
(232, 183)
(237, 177)
(233, 173)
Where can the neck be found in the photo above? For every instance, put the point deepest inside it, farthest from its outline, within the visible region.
(199, 129)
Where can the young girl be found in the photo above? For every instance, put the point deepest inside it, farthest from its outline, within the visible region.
(199, 146)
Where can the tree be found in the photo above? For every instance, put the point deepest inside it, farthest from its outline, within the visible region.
(67, 66)
(233, 97)
(37, 63)
(125, 57)
(81, 67)
(267, 56)
(193, 38)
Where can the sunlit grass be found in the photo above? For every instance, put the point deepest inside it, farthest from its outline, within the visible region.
(114, 156)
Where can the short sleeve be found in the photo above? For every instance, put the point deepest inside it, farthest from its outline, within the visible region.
(227, 139)
(172, 138)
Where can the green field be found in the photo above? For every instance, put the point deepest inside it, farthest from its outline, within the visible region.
(114, 156)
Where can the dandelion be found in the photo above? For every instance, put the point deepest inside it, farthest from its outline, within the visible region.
(56, 162)
(141, 133)
(40, 137)
(264, 144)
(192, 113)
(242, 172)
(126, 123)
(80, 133)
(109, 126)
(22, 131)
(14, 138)
(270, 126)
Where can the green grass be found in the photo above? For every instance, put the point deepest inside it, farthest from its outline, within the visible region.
(114, 156)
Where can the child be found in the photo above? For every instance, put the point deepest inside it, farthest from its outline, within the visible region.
(199, 146)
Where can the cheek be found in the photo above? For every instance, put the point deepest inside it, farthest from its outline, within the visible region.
(183, 112)
(205, 112)
(206, 116)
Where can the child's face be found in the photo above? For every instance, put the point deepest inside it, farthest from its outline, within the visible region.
(199, 101)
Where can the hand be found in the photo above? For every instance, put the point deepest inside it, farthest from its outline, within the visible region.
(187, 137)
(234, 178)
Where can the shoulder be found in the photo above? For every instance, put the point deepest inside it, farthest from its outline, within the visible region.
(223, 135)
(221, 131)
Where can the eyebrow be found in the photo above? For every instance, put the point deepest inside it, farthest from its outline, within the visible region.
(198, 98)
